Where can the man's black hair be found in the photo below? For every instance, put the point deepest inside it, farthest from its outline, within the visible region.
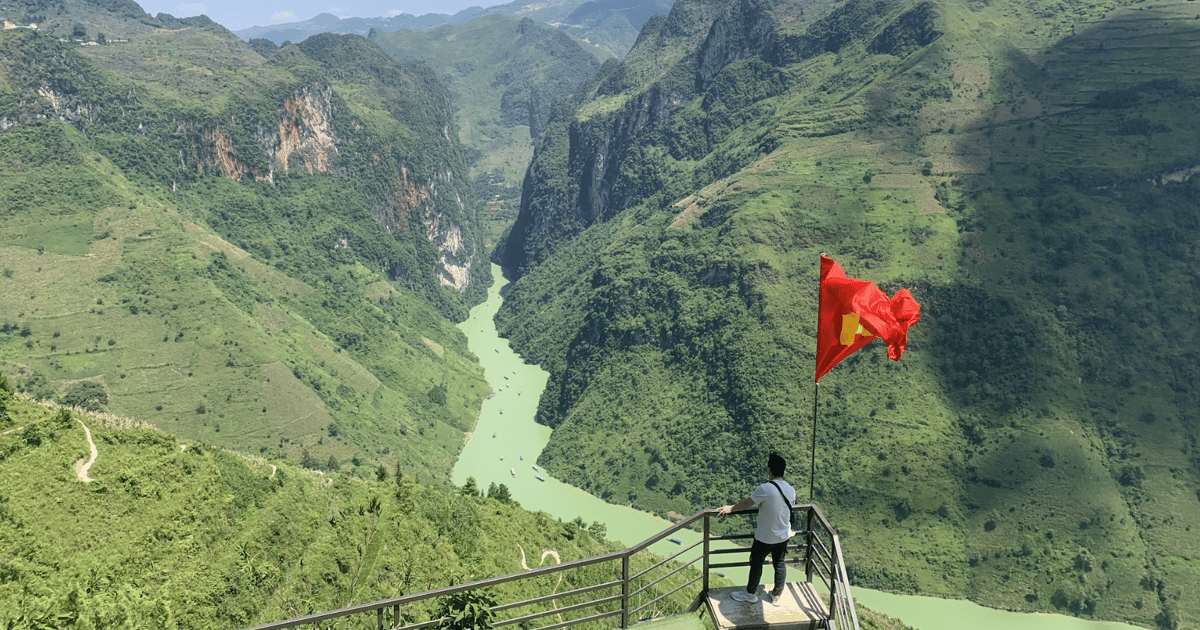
(776, 464)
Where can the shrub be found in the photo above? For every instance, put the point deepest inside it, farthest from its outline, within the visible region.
(468, 610)
(88, 395)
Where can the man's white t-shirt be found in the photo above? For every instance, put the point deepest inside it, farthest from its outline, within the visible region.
(774, 516)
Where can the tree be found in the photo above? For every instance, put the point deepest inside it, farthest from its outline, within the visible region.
(381, 473)
(470, 488)
(6, 392)
(598, 529)
(500, 493)
(88, 395)
(437, 395)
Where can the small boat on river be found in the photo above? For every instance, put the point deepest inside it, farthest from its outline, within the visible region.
(512, 471)
(676, 541)
(535, 466)
(539, 477)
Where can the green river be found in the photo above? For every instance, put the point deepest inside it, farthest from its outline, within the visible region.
(506, 443)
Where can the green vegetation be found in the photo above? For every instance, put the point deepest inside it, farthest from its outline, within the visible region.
(262, 254)
(1027, 169)
(187, 535)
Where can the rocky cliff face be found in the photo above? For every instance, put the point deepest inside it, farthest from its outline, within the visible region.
(729, 53)
(599, 151)
(305, 132)
(407, 159)
(303, 138)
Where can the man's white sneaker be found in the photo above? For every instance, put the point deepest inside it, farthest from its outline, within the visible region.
(743, 596)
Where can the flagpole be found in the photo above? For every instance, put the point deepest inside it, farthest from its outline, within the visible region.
(812, 473)
(812, 470)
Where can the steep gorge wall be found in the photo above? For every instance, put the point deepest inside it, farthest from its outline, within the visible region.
(305, 130)
(579, 175)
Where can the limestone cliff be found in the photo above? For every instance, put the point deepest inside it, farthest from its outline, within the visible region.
(304, 132)
(334, 107)
(675, 59)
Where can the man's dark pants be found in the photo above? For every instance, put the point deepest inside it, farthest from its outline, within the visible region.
(758, 553)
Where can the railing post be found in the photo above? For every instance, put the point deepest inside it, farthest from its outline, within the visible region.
(834, 586)
(808, 553)
(396, 615)
(625, 591)
(706, 521)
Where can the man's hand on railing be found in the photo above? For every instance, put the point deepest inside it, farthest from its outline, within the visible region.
(744, 504)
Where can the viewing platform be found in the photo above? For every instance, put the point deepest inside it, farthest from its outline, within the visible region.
(800, 607)
(639, 588)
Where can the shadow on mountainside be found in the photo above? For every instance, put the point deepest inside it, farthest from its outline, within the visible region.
(1076, 197)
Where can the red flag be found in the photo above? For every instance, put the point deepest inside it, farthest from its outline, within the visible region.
(852, 312)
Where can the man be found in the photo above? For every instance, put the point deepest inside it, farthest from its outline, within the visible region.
(774, 500)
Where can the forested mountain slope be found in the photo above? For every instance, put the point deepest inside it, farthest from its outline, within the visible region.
(1026, 168)
(265, 253)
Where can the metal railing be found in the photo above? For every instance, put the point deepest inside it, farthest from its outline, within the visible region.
(631, 585)
(820, 553)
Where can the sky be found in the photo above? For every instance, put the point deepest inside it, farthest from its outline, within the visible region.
(236, 15)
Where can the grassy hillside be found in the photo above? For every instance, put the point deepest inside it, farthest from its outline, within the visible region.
(182, 534)
(1025, 168)
(258, 253)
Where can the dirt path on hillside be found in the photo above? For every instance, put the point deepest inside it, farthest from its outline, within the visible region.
(82, 467)
(557, 560)
(545, 552)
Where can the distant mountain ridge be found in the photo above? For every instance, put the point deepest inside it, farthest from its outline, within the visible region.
(612, 25)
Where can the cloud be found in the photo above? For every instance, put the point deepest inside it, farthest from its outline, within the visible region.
(283, 16)
(192, 8)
